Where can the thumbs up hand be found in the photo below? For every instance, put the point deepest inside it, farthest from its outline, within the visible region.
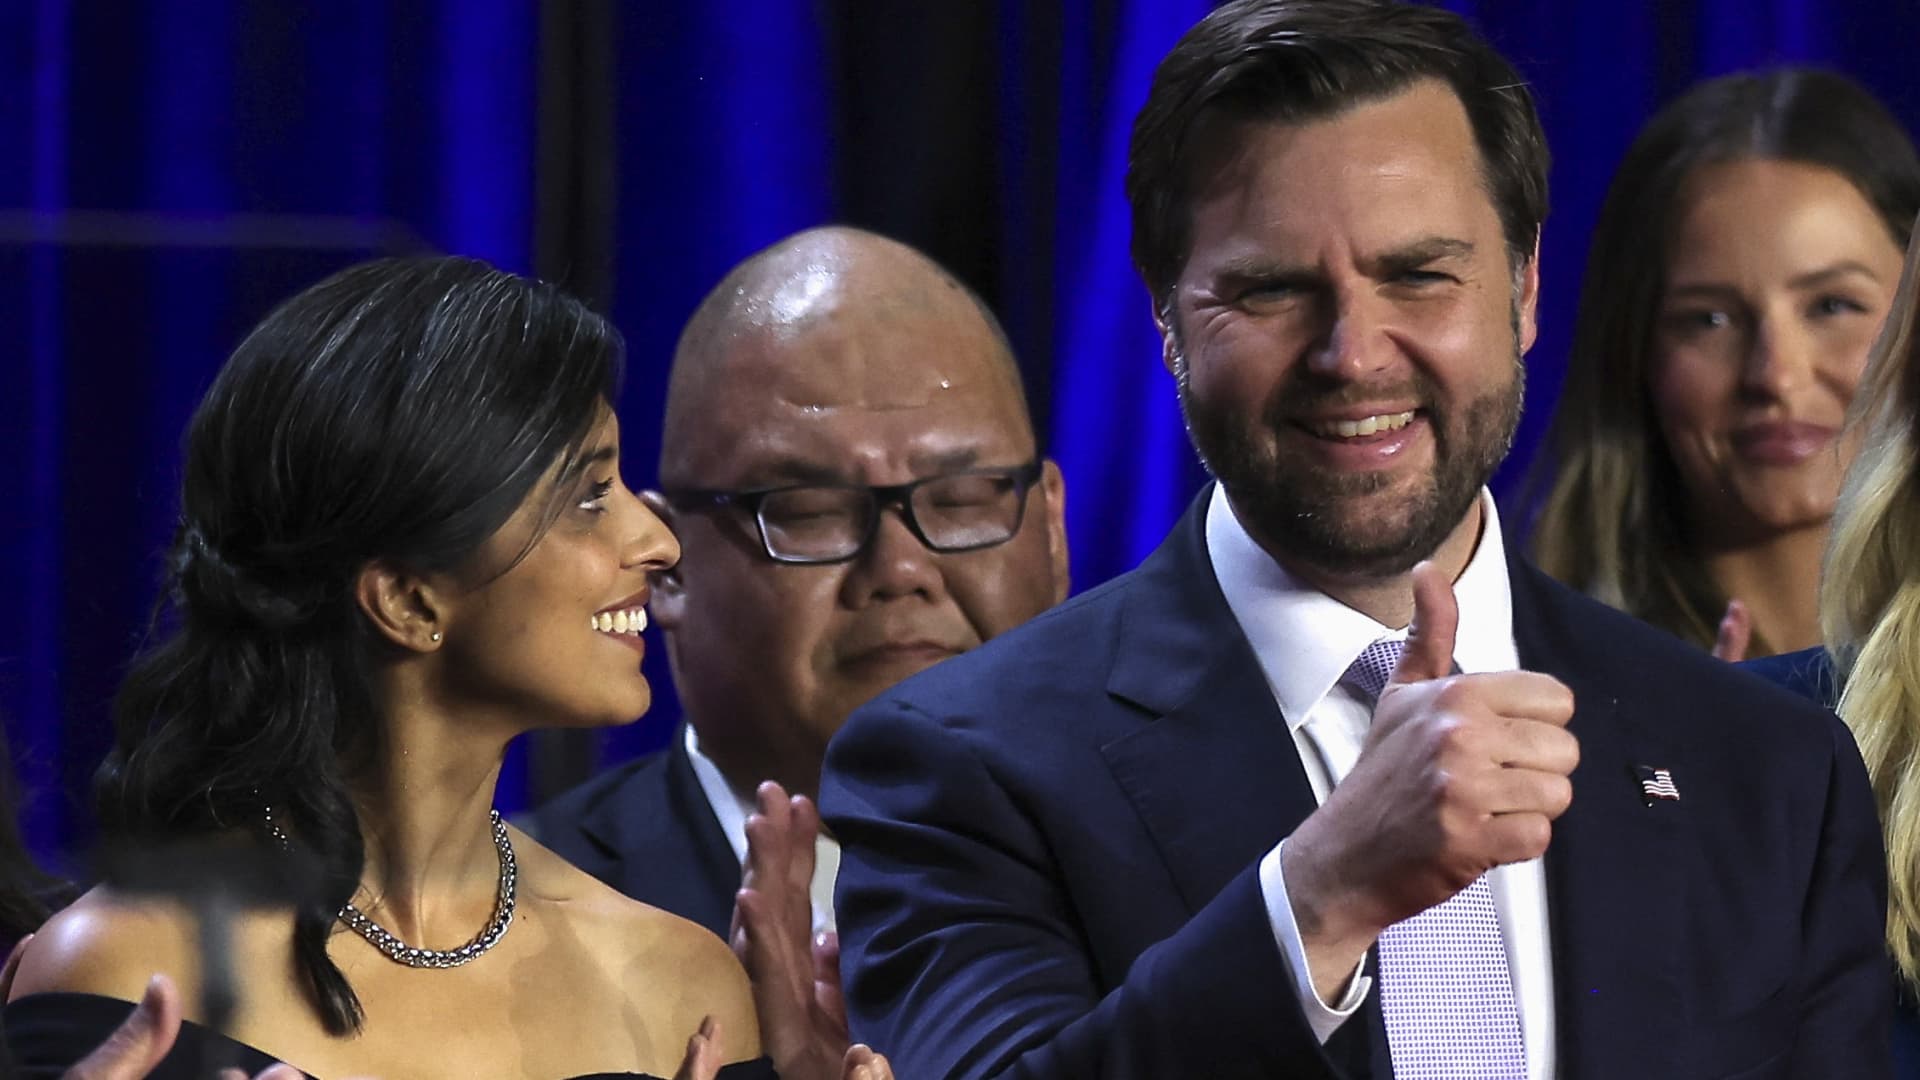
(1436, 624)
(1459, 774)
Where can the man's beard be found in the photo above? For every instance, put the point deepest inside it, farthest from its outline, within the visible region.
(1321, 520)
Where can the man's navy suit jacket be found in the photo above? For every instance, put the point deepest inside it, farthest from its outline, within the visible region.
(1050, 848)
(647, 830)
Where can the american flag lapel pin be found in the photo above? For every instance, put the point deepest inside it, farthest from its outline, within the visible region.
(1656, 784)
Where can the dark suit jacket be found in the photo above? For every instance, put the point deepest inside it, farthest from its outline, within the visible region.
(646, 829)
(1050, 849)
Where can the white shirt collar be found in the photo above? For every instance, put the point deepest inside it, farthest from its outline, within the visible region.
(1305, 639)
(730, 807)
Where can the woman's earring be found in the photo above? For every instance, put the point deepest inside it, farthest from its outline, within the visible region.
(435, 636)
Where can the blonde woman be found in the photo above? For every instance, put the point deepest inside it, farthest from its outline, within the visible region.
(1870, 616)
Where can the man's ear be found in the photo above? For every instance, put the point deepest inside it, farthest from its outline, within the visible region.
(669, 603)
(1527, 302)
(404, 607)
(1054, 484)
(1163, 317)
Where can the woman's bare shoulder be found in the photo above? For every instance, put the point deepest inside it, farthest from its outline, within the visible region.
(110, 944)
(659, 957)
(689, 973)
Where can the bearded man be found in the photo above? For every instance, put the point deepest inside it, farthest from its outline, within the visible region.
(1335, 784)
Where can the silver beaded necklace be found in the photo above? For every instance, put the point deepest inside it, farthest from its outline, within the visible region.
(402, 953)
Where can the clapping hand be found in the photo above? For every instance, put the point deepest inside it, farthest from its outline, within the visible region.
(1731, 641)
(796, 977)
(703, 1053)
(862, 1063)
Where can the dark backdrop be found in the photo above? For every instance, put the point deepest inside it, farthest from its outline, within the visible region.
(168, 171)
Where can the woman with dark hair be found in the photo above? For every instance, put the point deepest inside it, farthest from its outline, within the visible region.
(404, 540)
(1744, 259)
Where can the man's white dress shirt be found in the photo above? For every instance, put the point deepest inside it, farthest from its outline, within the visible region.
(1305, 641)
(731, 807)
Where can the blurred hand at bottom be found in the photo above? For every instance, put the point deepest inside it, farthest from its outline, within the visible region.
(139, 1044)
(142, 1040)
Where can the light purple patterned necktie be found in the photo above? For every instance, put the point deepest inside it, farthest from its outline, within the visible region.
(1445, 990)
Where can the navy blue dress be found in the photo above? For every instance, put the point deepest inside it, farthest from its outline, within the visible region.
(48, 1033)
(1810, 674)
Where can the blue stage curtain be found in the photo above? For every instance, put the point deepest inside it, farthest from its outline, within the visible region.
(174, 169)
(725, 145)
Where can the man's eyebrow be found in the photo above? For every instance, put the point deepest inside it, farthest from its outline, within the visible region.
(792, 470)
(782, 471)
(943, 461)
(1258, 267)
(1418, 253)
(1421, 252)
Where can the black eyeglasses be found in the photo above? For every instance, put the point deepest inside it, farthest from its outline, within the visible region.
(831, 523)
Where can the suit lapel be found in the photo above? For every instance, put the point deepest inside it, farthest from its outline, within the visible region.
(1214, 775)
(1615, 910)
(666, 845)
(720, 867)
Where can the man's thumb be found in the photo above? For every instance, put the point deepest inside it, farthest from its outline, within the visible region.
(1436, 618)
(138, 1044)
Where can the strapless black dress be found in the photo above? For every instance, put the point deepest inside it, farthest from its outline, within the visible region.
(47, 1033)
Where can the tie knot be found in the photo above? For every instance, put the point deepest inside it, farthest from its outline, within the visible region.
(1374, 666)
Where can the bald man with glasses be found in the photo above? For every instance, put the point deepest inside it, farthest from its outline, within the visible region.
(852, 473)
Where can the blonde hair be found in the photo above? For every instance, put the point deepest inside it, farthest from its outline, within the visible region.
(1870, 603)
